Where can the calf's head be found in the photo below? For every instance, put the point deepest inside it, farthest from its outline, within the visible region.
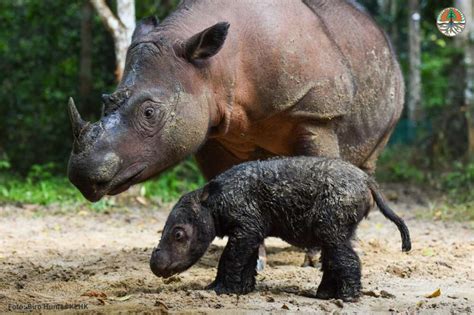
(187, 234)
(160, 113)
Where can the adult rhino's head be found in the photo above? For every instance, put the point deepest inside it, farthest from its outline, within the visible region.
(160, 113)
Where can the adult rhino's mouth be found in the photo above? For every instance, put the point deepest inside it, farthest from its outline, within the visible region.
(120, 183)
(126, 182)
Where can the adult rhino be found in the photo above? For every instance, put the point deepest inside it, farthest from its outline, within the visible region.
(232, 81)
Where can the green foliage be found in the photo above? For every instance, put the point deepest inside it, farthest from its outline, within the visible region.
(396, 164)
(31, 191)
(40, 46)
(42, 186)
(459, 182)
(4, 163)
(173, 183)
(404, 164)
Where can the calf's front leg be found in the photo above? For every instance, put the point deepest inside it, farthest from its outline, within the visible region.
(316, 140)
(236, 271)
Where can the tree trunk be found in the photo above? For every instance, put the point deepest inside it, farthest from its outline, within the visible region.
(466, 39)
(121, 27)
(414, 86)
(85, 71)
(394, 25)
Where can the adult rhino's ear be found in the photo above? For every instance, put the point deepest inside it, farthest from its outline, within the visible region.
(145, 26)
(207, 43)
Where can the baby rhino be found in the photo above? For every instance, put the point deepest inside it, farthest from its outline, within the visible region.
(307, 201)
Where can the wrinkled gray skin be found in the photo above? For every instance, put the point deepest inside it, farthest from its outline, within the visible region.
(306, 201)
(233, 81)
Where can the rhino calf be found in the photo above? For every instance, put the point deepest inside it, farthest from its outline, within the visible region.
(306, 201)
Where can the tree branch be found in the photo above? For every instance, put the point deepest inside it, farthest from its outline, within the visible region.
(111, 22)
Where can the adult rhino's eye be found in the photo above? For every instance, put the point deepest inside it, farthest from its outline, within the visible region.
(178, 235)
(149, 112)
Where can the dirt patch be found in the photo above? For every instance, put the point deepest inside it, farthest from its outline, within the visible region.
(101, 260)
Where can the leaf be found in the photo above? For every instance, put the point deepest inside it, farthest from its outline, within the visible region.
(83, 213)
(371, 293)
(285, 307)
(427, 252)
(101, 301)
(141, 200)
(386, 295)
(435, 294)
(97, 294)
(161, 305)
(120, 298)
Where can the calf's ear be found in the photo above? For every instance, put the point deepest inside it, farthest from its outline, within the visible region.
(144, 27)
(207, 43)
(211, 188)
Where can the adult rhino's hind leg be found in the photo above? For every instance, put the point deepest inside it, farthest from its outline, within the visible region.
(369, 164)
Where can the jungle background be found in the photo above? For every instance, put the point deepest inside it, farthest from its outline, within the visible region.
(51, 50)
(56, 248)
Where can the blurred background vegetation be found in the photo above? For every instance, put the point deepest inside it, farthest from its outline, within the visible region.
(43, 45)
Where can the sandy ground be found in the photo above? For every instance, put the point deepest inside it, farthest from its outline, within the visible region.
(100, 262)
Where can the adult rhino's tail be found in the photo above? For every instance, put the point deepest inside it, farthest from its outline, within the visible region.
(392, 216)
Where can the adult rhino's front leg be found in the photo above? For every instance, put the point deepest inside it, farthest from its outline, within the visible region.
(317, 139)
(213, 159)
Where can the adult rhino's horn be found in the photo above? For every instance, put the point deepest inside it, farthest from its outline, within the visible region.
(77, 122)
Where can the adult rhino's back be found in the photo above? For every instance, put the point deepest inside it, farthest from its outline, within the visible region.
(377, 78)
(310, 60)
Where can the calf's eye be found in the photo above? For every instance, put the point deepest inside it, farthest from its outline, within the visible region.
(149, 112)
(179, 235)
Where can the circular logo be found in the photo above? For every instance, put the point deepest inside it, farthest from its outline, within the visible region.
(451, 22)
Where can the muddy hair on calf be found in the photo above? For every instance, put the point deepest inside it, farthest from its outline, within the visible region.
(306, 201)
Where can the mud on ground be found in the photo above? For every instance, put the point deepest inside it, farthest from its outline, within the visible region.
(101, 260)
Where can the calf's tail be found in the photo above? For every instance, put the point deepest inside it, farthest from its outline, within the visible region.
(392, 216)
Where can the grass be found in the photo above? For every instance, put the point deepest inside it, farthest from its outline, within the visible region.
(42, 187)
(448, 211)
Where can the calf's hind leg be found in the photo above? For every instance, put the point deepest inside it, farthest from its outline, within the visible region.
(341, 273)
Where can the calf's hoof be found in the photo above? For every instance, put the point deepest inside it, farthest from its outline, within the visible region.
(348, 294)
(326, 292)
(221, 288)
